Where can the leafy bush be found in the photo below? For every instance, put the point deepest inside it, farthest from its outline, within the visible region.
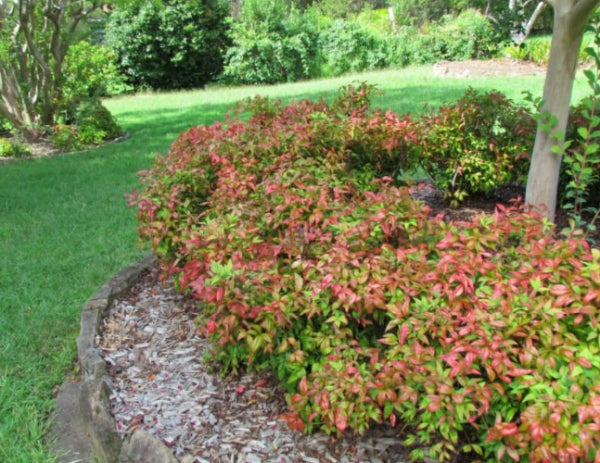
(91, 124)
(180, 45)
(347, 47)
(479, 336)
(467, 36)
(12, 149)
(376, 20)
(272, 44)
(481, 142)
(470, 35)
(91, 72)
(533, 49)
(581, 150)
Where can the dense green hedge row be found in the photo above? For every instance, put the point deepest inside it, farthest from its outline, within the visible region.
(480, 337)
(188, 44)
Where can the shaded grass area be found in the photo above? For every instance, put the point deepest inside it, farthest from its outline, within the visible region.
(65, 228)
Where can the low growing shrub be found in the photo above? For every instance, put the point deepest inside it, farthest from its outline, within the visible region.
(479, 337)
(91, 124)
(12, 149)
(479, 143)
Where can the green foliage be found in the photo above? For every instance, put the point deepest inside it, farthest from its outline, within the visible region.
(347, 47)
(476, 145)
(375, 20)
(90, 125)
(479, 336)
(272, 44)
(533, 49)
(178, 45)
(470, 35)
(10, 148)
(91, 72)
(582, 148)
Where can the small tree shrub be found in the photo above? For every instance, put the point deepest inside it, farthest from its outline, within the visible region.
(481, 142)
(480, 337)
(180, 45)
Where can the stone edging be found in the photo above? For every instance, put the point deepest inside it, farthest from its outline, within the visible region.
(83, 429)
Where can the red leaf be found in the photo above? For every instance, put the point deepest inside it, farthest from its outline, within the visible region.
(211, 326)
(220, 294)
(403, 334)
(559, 290)
(303, 385)
(519, 371)
(341, 422)
(293, 421)
(584, 362)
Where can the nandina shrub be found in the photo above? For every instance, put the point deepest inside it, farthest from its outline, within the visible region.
(474, 146)
(480, 336)
(345, 138)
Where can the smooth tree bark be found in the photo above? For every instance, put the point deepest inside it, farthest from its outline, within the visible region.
(34, 39)
(523, 28)
(570, 20)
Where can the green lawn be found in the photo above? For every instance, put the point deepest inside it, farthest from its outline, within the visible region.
(65, 228)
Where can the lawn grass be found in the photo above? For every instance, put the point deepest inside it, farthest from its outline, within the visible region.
(65, 228)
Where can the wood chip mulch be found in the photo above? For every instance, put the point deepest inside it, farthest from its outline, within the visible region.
(164, 383)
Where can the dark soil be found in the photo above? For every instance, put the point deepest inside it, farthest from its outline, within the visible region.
(474, 205)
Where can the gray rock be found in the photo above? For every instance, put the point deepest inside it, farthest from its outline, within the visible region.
(95, 406)
(144, 448)
(93, 365)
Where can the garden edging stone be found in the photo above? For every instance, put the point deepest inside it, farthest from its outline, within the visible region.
(83, 428)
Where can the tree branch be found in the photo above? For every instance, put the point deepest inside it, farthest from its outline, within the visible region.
(582, 11)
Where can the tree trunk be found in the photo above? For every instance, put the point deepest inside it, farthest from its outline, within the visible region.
(544, 171)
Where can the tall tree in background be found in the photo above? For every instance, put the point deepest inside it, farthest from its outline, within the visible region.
(35, 36)
(570, 20)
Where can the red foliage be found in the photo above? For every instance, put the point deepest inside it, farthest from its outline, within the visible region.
(367, 307)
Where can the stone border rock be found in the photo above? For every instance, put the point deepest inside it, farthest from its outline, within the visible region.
(83, 428)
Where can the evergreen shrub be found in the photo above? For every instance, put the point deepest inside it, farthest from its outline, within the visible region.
(178, 45)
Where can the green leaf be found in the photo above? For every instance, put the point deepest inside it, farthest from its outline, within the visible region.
(591, 148)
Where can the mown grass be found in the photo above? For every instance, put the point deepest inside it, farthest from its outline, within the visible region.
(65, 228)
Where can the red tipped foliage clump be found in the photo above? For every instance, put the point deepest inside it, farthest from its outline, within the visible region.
(479, 337)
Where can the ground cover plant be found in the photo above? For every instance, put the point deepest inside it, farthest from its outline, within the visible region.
(477, 337)
(65, 228)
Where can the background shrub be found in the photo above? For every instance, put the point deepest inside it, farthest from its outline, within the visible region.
(478, 337)
(271, 44)
(178, 46)
(91, 72)
(347, 47)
